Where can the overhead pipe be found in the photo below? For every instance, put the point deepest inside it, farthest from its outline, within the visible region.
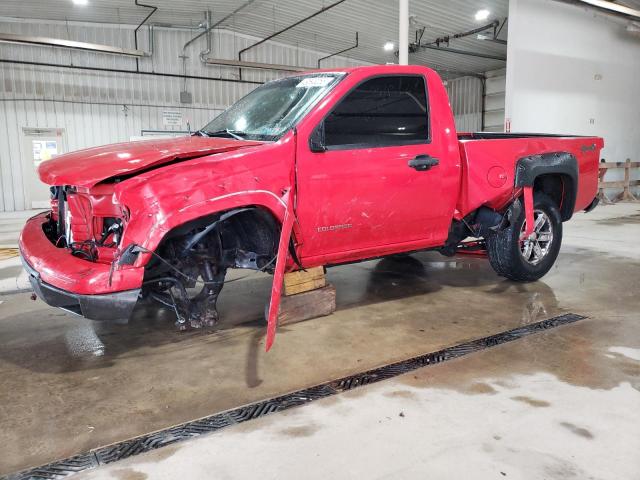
(231, 63)
(435, 44)
(207, 31)
(209, 27)
(309, 17)
(207, 50)
(341, 51)
(446, 38)
(494, 38)
(154, 25)
(466, 52)
(135, 32)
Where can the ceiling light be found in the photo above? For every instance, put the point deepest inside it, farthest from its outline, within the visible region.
(388, 46)
(80, 2)
(482, 15)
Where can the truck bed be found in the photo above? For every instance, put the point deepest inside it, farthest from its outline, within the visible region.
(488, 163)
(503, 135)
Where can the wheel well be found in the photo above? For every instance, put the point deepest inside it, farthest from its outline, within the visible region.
(239, 238)
(252, 230)
(561, 189)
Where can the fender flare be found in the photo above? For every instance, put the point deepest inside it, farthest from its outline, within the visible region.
(556, 163)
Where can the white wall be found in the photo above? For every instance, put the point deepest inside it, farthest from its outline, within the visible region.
(572, 70)
(97, 108)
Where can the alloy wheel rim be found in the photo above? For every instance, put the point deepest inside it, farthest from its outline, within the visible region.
(536, 246)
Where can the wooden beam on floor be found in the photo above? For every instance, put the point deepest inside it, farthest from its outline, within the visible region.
(310, 304)
(304, 280)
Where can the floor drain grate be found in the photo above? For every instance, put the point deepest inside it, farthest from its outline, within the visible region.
(218, 421)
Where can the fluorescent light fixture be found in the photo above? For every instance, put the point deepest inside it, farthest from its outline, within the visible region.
(482, 15)
(80, 2)
(388, 47)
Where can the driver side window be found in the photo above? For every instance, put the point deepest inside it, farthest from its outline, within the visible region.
(383, 111)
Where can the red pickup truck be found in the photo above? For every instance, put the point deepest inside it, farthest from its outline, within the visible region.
(320, 168)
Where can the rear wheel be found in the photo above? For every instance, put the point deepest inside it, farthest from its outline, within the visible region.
(527, 259)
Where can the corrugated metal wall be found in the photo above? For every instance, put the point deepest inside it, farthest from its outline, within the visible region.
(494, 101)
(465, 97)
(96, 108)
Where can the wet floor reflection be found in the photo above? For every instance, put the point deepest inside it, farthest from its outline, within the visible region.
(62, 374)
(75, 343)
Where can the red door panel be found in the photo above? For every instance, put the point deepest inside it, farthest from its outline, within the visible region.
(354, 199)
(359, 201)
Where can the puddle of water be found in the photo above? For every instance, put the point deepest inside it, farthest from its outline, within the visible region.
(632, 353)
(628, 220)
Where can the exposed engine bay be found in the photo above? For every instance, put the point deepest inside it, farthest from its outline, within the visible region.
(187, 271)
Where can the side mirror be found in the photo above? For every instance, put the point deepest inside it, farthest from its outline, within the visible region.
(316, 140)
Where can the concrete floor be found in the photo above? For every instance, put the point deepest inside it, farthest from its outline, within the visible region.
(559, 404)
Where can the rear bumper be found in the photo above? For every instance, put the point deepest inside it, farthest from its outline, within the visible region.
(86, 288)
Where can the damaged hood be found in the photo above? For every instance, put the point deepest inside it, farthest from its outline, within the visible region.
(85, 168)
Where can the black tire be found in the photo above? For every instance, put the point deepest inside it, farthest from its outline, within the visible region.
(504, 248)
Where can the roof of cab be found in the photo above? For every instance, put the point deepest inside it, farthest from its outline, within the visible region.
(372, 69)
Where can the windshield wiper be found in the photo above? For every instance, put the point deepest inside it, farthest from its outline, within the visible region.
(232, 133)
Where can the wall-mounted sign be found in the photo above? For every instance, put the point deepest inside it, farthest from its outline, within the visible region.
(172, 118)
(44, 150)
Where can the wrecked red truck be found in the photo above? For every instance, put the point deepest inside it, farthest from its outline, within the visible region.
(316, 169)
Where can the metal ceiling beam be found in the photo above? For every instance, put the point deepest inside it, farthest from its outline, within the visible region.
(61, 43)
(254, 65)
(485, 38)
(121, 70)
(609, 7)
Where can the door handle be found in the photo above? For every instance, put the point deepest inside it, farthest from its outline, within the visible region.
(423, 162)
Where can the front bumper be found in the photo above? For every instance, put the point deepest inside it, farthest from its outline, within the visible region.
(109, 306)
(73, 284)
